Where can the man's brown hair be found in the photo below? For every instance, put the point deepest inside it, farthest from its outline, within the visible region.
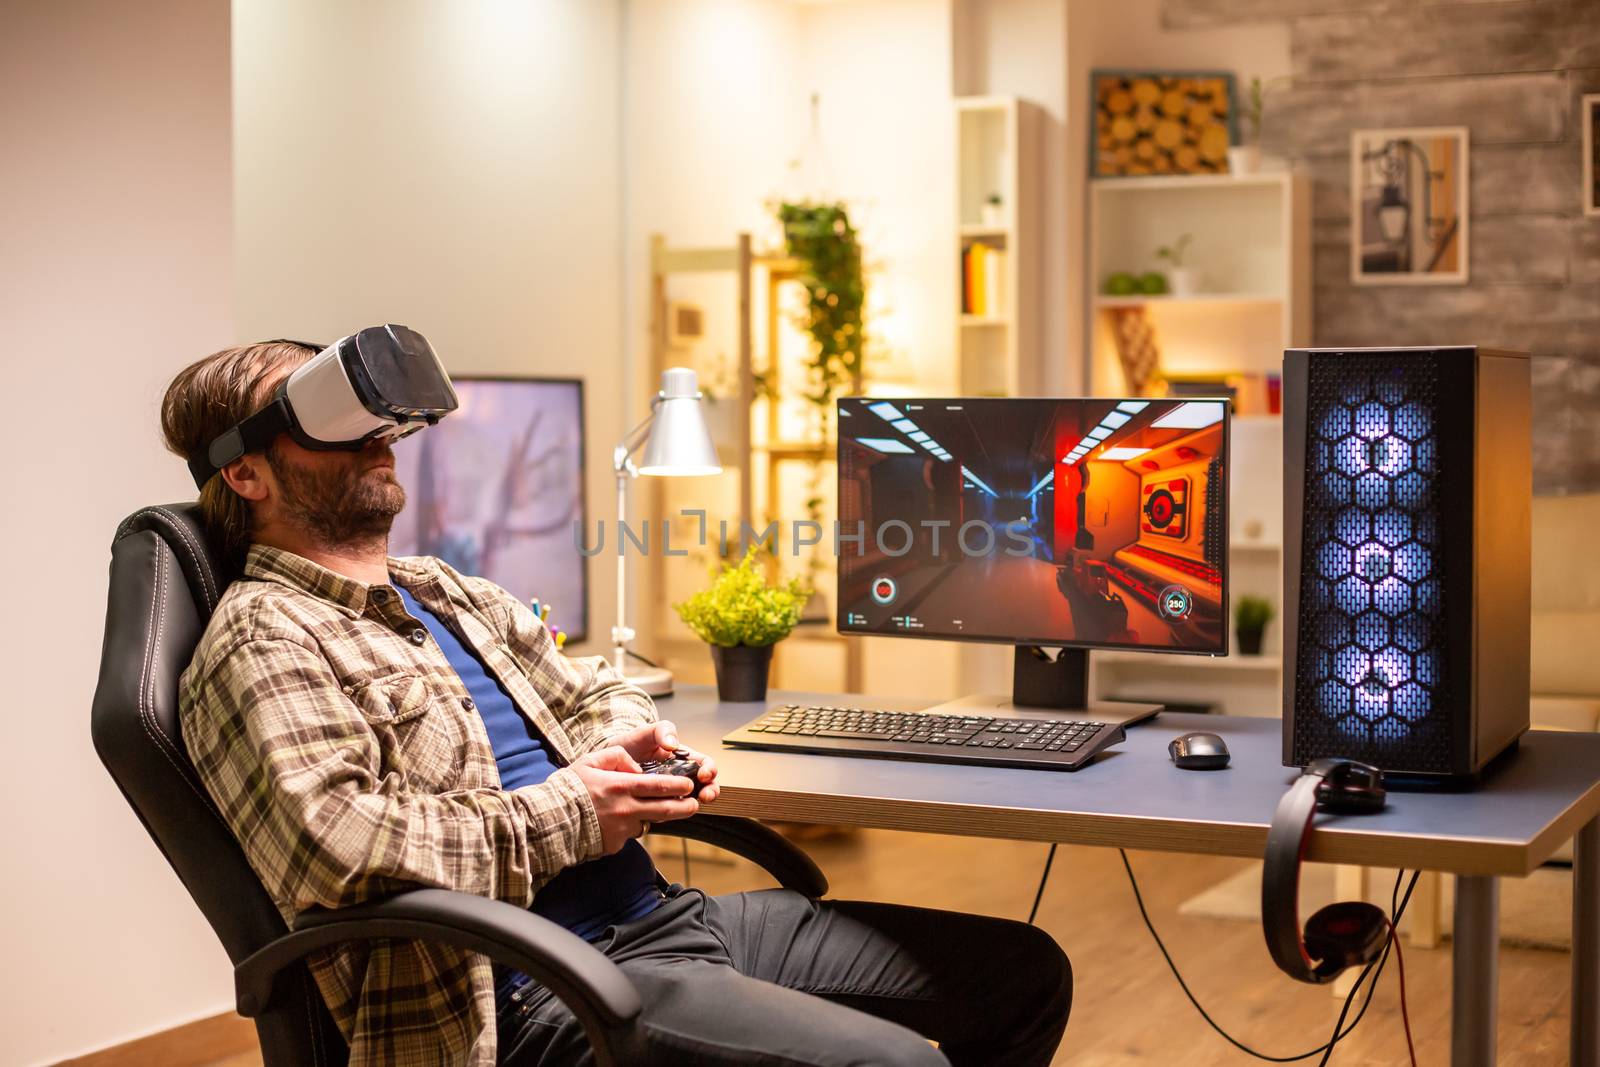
(209, 397)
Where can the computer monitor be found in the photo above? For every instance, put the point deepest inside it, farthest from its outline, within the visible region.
(1091, 523)
(495, 488)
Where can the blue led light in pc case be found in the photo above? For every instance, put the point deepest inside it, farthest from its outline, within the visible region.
(1407, 484)
(1373, 664)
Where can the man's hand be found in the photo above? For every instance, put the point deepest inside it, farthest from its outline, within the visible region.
(627, 801)
(659, 741)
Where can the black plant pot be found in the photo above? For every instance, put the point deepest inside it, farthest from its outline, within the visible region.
(1249, 641)
(742, 671)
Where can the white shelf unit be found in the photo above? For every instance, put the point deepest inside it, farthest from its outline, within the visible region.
(1236, 684)
(997, 145)
(1252, 255)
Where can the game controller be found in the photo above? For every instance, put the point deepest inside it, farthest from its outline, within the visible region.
(679, 764)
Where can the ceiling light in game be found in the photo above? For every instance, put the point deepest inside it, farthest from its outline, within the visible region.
(887, 445)
(979, 482)
(1191, 416)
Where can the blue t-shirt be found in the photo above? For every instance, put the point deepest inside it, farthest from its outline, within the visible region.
(586, 898)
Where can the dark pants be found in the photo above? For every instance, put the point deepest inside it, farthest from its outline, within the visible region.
(774, 978)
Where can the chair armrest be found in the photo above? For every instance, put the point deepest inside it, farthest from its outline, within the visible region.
(597, 992)
(762, 845)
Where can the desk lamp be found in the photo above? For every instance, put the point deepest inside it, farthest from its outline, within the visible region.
(676, 444)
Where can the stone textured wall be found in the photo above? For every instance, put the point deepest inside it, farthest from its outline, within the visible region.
(1514, 74)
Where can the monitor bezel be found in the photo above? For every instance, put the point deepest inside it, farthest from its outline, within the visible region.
(1053, 642)
(576, 637)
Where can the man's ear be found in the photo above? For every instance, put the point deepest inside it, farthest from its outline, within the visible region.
(246, 476)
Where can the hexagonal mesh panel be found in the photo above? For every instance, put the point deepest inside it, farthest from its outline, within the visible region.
(1370, 678)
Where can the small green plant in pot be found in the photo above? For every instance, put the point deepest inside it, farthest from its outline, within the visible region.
(741, 617)
(1250, 618)
(1180, 278)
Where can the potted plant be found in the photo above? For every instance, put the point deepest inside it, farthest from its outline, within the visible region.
(1250, 618)
(1245, 157)
(1180, 279)
(992, 211)
(741, 617)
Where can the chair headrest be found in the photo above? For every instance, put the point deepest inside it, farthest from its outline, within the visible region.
(180, 526)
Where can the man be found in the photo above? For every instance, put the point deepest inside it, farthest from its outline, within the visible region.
(369, 724)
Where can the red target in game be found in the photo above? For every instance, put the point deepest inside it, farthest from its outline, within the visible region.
(1166, 507)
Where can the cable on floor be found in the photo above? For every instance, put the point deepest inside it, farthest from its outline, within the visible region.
(1373, 970)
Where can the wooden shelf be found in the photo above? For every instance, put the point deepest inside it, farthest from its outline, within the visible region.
(1197, 298)
(985, 320)
(1145, 182)
(797, 450)
(979, 230)
(1155, 661)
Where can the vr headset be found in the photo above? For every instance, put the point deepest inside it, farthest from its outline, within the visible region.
(382, 382)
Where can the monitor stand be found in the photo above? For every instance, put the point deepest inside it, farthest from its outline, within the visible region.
(1056, 685)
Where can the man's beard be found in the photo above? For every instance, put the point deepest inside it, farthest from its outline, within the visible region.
(349, 507)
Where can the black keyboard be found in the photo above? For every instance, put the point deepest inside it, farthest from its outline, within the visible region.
(1049, 744)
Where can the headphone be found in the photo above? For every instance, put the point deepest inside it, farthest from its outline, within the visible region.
(1339, 936)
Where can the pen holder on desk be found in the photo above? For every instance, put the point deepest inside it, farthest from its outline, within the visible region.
(742, 671)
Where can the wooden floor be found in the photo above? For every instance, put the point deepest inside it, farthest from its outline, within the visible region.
(1127, 1008)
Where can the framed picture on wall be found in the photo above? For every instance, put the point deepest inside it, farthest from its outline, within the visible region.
(1160, 122)
(1408, 206)
(1590, 115)
(495, 490)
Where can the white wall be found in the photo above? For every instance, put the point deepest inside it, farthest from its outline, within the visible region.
(115, 206)
(882, 70)
(451, 166)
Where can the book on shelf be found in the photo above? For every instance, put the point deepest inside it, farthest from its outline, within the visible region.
(983, 272)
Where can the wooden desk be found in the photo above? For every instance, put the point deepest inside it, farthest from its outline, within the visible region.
(1133, 797)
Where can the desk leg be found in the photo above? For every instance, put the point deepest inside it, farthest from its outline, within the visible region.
(1475, 975)
(1586, 946)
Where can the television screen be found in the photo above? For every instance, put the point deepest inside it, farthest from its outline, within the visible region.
(1087, 522)
(495, 488)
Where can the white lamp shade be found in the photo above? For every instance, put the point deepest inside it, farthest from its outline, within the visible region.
(679, 444)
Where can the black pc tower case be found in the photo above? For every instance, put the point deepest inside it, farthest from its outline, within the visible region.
(1407, 486)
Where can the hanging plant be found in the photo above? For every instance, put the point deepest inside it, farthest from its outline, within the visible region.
(821, 240)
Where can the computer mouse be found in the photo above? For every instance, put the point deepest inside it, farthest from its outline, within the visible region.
(1199, 752)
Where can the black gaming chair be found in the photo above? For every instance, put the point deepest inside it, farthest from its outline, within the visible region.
(165, 583)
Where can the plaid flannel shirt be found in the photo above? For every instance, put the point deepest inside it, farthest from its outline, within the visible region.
(347, 758)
